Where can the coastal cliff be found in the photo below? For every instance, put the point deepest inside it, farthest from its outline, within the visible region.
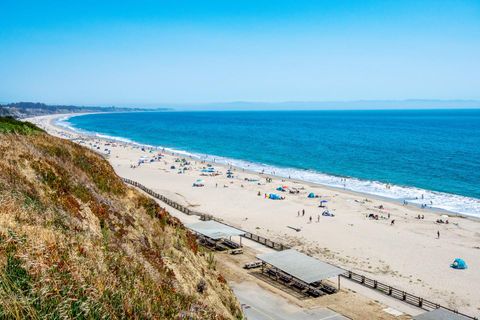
(21, 110)
(75, 242)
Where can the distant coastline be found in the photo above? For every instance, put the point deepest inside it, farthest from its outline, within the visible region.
(408, 104)
(21, 110)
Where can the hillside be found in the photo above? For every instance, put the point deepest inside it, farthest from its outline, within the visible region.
(31, 109)
(75, 242)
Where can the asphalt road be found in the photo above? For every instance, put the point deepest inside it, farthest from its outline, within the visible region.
(260, 304)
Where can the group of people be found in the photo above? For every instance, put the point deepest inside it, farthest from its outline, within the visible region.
(301, 213)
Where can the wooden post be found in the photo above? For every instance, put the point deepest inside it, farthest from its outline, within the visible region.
(338, 282)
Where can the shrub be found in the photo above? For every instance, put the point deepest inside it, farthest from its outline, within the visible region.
(10, 125)
(201, 286)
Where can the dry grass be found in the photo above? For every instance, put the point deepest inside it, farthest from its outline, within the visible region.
(75, 242)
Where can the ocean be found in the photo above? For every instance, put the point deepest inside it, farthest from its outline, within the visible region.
(423, 156)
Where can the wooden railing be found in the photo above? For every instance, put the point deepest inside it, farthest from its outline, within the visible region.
(161, 197)
(355, 277)
(398, 294)
(265, 241)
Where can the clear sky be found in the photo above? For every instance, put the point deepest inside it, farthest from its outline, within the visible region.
(149, 52)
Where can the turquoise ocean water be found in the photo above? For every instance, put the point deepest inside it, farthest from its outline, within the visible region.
(395, 154)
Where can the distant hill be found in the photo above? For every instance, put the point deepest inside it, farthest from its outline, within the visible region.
(30, 109)
(77, 243)
(334, 105)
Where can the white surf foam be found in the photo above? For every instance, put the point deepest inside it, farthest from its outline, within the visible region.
(433, 199)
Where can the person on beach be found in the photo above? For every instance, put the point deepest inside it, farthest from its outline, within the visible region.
(318, 218)
(310, 219)
(303, 212)
(298, 213)
(438, 234)
(393, 222)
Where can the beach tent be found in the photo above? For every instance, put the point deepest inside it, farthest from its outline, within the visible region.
(311, 195)
(459, 264)
(327, 213)
(198, 183)
(274, 196)
(322, 203)
(280, 189)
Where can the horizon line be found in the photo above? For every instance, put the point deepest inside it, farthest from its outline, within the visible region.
(362, 104)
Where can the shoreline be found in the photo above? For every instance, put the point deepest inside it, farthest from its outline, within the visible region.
(375, 248)
(208, 159)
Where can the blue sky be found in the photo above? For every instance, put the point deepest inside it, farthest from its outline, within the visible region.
(154, 52)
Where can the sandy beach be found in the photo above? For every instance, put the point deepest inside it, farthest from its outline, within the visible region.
(411, 254)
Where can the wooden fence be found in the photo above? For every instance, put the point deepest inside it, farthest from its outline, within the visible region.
(398, 294)
(265, 241)
(162, 198)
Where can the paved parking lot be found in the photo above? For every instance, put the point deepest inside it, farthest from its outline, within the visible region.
(260, 304)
